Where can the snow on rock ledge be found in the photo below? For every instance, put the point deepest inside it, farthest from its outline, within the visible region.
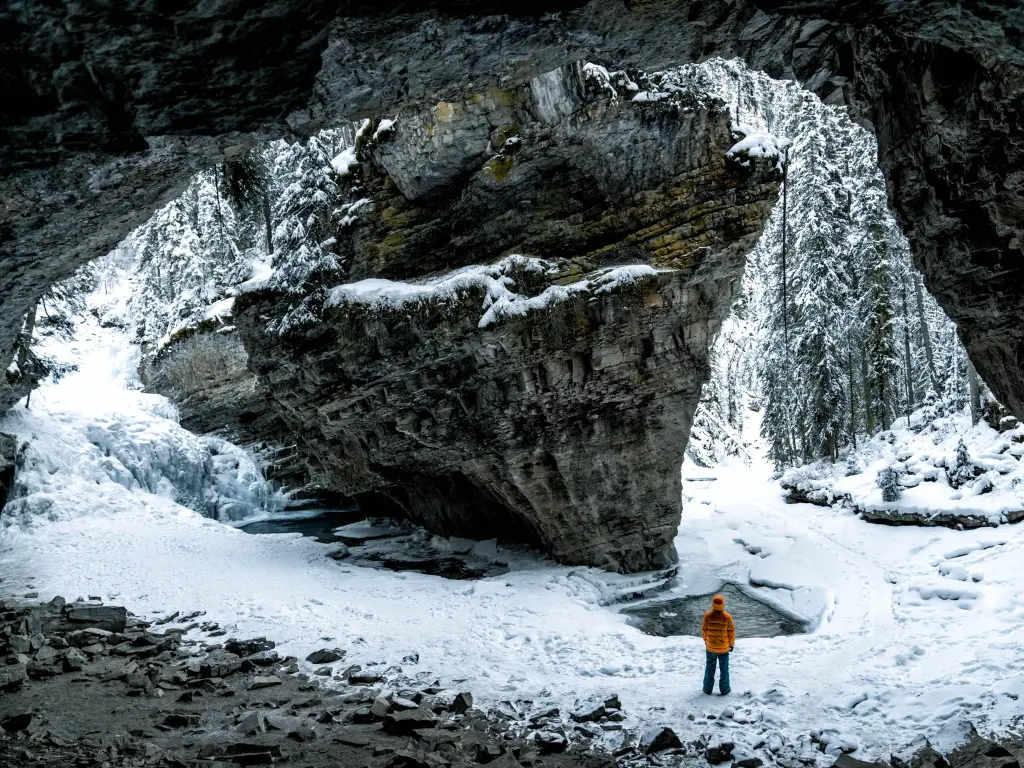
(496, 280)
(757, 144)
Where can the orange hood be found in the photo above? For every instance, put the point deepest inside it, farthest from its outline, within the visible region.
(718, 603)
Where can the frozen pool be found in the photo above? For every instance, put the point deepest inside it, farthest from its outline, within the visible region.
(683, 615)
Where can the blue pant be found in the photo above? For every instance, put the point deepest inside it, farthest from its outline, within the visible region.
(722, 660)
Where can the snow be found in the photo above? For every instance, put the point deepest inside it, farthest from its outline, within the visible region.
(94, 445)
(347, 212)
(219, 309)
(385, 127)
(606, 80)
(901, 646)
(496, 282)
(344, 162)
(757, 143)
(262, 272)
(647, 96)
(923, 454)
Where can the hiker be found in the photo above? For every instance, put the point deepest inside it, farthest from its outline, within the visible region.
(719, 635)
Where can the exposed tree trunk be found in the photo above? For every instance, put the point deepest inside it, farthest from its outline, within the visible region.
(25, 342)
(216, 194)
(25, 345)
(975, 390)
(884, 398)
(266, 219)
(869, 416)
(785, 225)
(853, 412)
(906, 350)
(953, 367)
(926, 337)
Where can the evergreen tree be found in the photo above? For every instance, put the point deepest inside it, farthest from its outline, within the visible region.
(881, 348)
(309, 193)
(963, 468)
(820, 303)
(833, 335)
(245, 181)
(889, 481)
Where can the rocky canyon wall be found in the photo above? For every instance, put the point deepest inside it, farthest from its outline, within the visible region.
(110, 109)
(544, 396)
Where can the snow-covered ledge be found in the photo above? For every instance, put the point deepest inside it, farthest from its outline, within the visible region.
(498, 282)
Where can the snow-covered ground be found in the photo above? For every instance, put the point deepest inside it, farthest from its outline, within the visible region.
(941, 465)
(901, 646)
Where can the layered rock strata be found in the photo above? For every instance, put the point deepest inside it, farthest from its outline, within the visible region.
(545, 400)
(109, 113)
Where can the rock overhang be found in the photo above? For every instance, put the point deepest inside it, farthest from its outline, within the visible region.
(546, 400)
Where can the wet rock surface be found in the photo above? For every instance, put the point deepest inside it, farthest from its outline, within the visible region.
(8, 456)
(561, 425)
(149, 697)
(396, 546)
(136, 696)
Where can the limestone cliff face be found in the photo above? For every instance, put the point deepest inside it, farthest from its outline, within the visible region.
(110, 111)
(546, 400)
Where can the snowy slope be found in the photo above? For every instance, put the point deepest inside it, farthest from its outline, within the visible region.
(924, 459)
(893, 655)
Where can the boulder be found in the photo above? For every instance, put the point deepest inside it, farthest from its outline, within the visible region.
(362, 716)
(463, 702)
(719, 751)
(252, 723)
(658, 740)
(845, 761)
(243, 648)
(560, 422)
(107, 617)
(181, 720)
(15, 723)
(365, 678)
(505, 760)
(405, 722)
(75, 660)
(326, 656)
(267, 681)
(304, 732)
(551, 742)
(283, 723)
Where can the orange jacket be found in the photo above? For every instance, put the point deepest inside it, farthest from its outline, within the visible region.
(717, 629)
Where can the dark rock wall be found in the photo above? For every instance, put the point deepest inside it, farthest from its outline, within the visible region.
(8, 459)
(373, 63)
(951, 138)
(943, 86)
(109, 108)
(563, 426)
(88, 94)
